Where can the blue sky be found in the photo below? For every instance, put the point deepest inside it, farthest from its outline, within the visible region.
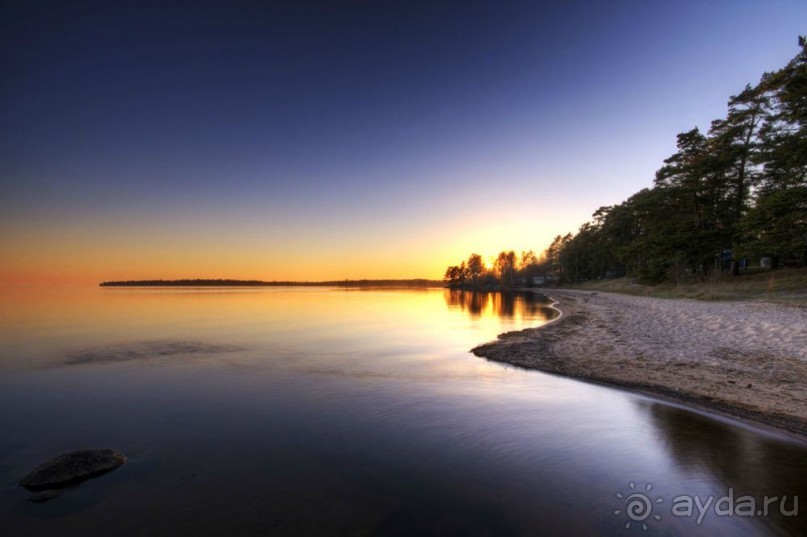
(386, 137)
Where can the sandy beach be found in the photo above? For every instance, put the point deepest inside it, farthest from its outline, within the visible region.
(743, 359)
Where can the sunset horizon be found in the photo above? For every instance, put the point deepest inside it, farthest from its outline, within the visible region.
(381, 143)
(421, 268)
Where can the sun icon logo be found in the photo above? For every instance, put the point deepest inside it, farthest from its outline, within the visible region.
(638, 505)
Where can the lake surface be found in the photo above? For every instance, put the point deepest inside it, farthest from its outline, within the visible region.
(318, 411)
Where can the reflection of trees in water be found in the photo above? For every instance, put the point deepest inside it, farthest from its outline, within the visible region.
(474, 302)
(505, 305)
(751, 463)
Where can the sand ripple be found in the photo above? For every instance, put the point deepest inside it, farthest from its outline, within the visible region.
(748, 359)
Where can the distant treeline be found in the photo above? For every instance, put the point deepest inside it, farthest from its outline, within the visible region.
(736, 194)
(507, 271)
(259, 283)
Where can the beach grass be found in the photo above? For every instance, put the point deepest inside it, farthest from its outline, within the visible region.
(785, 286)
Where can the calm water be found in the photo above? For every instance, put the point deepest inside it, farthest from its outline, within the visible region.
(298, 411)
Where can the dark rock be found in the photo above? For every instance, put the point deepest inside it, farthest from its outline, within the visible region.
(72, 468)
(44, 495)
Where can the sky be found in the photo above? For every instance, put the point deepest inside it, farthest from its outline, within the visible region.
(314, 140)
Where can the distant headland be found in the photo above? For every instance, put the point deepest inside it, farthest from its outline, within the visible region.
(259, 283)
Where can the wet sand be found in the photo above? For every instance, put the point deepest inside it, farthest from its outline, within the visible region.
(744, 359)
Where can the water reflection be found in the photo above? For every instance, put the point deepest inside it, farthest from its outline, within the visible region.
(731, 457)
(322, 412)
(503, 305)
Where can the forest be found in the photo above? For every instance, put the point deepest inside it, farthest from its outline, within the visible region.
(728, 200)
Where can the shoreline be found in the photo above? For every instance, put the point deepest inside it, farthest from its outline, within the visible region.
(742, 360)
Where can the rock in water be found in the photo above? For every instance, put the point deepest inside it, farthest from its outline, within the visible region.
(72, 468)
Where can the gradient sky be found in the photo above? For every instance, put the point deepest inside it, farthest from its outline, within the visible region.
(355, 139)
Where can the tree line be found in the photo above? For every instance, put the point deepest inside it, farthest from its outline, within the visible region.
(734, 194)
(508, 270)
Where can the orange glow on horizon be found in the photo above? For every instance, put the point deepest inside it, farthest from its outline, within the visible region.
(88, 255)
